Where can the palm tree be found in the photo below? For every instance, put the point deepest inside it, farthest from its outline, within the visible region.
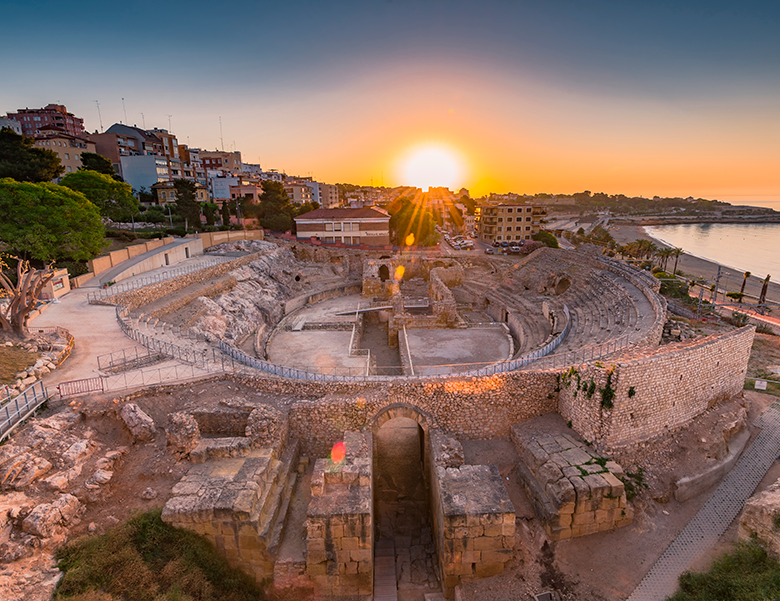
(744, 281)
(677, 252)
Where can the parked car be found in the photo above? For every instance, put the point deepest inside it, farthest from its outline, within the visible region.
(492, 251)
(515, 250)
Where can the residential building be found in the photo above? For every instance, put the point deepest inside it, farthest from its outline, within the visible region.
(12, 124)
(299, 192)
(166, 192)
(146, 142)
(52, 115)
(222, 161)
(329, 196)
(508, 221)
(144, 171)
(272, 175)
(193, 165)
(68, 147)
(369, 226)
(252, 189)
(114, 146)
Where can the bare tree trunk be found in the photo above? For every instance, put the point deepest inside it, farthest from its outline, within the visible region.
(23, 295)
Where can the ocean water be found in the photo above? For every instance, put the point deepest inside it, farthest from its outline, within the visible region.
(751, 247)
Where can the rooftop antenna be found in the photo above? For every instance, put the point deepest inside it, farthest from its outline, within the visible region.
(221, 141)
(169, 123)
(99, 117)
(124, 109)
(143, 120)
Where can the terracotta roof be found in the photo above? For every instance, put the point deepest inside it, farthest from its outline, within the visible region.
(339, 214)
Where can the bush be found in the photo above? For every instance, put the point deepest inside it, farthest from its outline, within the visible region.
(746, 574)
(147, 560)
(121, 235)
(545, 238)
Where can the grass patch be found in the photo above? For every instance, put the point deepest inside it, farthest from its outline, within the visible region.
(14, 359)
(147, 560)
(746, 574)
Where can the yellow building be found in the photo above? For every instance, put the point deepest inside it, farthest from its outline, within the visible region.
(67, 147)
(508, 222)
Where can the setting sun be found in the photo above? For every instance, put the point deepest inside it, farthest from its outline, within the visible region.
(429, 166)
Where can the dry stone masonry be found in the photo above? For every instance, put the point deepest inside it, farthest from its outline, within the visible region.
(575, 491)
(340, 521)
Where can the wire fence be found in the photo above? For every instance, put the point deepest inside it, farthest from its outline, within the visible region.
(104, 293)
(126, 359)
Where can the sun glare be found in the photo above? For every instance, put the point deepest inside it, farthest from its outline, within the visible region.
(430, 166)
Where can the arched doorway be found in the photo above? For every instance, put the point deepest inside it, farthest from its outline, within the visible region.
(384, 273)
(402, 516)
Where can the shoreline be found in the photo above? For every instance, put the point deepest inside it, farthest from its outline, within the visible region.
(730, 279)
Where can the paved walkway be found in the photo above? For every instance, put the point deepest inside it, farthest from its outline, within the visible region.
(94, 327)
(725, 504)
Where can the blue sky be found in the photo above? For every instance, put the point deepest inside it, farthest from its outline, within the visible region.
(330, 88)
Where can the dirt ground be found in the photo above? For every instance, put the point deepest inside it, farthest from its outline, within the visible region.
(601, 567)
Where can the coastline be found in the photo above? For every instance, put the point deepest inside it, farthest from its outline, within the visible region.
(730, 278)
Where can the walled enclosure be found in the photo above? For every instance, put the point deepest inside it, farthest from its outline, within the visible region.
(656, 392)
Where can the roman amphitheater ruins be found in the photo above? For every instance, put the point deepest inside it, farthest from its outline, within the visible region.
(350, 355)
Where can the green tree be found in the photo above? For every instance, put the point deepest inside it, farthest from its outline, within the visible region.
(225, 213)
(22, 161)
(187, 203)
(48, 222)
(91, 161)
(114, 199)
(210, 211)
(411, 223)
(274, 209)
(546, 237)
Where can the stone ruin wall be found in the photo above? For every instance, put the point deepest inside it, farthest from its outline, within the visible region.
(340, 521)
(348, 262)
(442, 300)
(473, 518)
(671, 385)
(148, 294)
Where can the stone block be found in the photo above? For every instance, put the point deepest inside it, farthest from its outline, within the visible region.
(315, 544)
(336, 531)
(490, 530)
(360, 555)
(562, 494)
(549, 472)
(472, 556)
(485, 570)
(365, 567)
(352, 567)
(488, 543)
(349, 543)
(588, 517)
(508, 529)
(316, 557)
(502, 556)
(617, 488)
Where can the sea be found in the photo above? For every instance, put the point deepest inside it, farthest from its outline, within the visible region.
(753, 247)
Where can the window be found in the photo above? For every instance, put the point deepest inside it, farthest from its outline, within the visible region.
(509, 220)
(498, 229)
(500, 219)
(528, 219)
(76, 156)
(328, 228)
(498, 237)
(509, 210)
(69, 170)
(67, 156)
(328, 238)
(528, 210)
(337, 227)
(527, 228)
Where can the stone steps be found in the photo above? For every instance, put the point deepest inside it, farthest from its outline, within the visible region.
(273, 505)
(385, 584)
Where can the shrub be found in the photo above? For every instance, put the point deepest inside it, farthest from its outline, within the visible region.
(145, 560)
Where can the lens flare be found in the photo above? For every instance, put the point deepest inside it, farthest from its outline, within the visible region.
(410, 239)
(338, 452)
(399, 273)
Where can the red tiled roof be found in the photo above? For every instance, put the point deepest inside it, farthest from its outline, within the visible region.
(339, 214)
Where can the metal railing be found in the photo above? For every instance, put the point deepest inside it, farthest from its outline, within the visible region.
(126, 359)
(14, 411)
(74, 387)
(104, 293)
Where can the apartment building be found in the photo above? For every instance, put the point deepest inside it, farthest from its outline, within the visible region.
(52, 115)
(68, 147)
(219, 160)
(299, 192)
(508, 221)
(11, 124)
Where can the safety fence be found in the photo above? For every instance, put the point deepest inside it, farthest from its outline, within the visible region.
(104, 293)
(126, 359)
(15, 410)
(73, 387)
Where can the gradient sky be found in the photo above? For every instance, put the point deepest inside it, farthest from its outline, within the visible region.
(668, 98)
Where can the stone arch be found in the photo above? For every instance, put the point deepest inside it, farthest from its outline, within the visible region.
(425, 420)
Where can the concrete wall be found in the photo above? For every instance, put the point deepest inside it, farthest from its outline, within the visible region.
(165, 256)
(658, 391)
(213, 238)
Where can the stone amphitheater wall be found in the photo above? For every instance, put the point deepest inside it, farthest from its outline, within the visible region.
(148, 294)
(657, 392)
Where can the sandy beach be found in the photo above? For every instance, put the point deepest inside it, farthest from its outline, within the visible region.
(730, 279)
